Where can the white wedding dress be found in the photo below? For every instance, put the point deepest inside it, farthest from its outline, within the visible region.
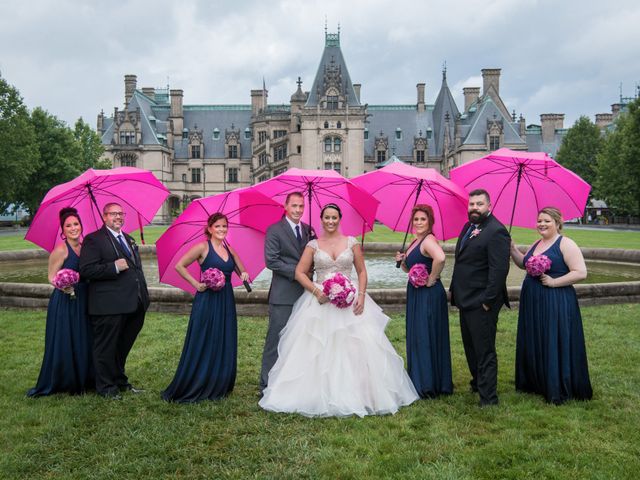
(332, 362)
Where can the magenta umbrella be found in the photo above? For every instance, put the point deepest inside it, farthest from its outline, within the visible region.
(522, 183)
(320, 187)
(138, 191)
(249, 213)
(399, 187)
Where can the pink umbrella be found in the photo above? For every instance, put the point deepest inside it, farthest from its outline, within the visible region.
(399, 187)
(249, 212)
(524, 183)
(320, 187)
(138, 192)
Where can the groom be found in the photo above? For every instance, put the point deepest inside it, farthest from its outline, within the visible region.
(283, 248)
(478, 289)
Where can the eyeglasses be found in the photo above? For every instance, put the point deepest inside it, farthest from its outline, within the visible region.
(117, 214)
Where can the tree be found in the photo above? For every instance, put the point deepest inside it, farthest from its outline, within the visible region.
(60, 158)
(618, 171)
(580, 148)
(90, 145)
(19, 154)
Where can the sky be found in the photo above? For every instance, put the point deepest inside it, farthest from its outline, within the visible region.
(70, 56)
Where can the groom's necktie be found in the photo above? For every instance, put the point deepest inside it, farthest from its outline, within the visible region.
(124, 246)
(467, 235)
(298, 236)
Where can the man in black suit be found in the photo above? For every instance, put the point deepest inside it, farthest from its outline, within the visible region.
(117, 301)
(478, 289)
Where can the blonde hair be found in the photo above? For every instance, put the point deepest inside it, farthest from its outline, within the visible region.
(555, 214)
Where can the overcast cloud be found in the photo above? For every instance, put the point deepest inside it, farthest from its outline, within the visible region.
(70, 56)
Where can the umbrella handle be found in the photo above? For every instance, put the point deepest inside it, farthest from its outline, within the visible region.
(399, 262)
(246, 286)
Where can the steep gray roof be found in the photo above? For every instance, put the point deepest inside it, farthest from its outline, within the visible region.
(445, 104)
(535, 144)
(388, 118)
(332, 64)
(474, 124)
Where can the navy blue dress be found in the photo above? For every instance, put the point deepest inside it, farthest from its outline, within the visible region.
(551, 359)
(67, 366)
(428, 350)
(207, 368)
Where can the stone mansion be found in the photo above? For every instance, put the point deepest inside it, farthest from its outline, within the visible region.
(200, 150)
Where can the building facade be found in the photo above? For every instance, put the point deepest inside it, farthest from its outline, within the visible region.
(201, 150)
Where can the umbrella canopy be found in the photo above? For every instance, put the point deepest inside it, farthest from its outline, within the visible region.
(522, 183)
(399, 187)
(249, 213)
(319, 187)
(138, 191)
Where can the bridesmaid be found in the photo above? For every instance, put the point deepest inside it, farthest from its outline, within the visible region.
(427, 315)
(67, 366)
(207, 368)
(551, 358)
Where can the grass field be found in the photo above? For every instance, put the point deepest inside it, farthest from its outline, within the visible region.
(522, 236)
(143, 437)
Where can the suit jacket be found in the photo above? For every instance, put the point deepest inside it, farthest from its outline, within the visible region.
(282, 252)
(481, 267)
(110, 292)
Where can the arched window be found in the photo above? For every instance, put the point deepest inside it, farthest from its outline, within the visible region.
(332, 144)
(337, 144)
(327, 144)
(339, 124)
(326, 124)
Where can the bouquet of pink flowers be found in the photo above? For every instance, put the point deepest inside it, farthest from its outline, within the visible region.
(340, 290)
(66, 278)
(213, 279)
(537, 265)
(418, 275)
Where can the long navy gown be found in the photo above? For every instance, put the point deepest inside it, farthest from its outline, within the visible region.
(551, 359)
(428, 349)
(207, 368)
(67, 366)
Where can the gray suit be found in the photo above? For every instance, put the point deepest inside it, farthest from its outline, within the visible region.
(282, 252)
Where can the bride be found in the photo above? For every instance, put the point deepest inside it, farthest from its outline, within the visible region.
(336, 361)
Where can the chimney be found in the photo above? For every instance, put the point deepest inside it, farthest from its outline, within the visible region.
(149, 92)
(100, 123)
(523, 127)
(550, 122)
(356, 88)
(490, 77)
(603, 119)
(258, 101)
(615, 109)
(420, 90)
(471, 94)
(176, 103)
(129, 88)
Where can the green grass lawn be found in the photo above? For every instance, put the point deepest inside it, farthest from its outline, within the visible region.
(451, 438)
(522, 236)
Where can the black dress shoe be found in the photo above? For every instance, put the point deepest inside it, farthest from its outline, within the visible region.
(130, 388)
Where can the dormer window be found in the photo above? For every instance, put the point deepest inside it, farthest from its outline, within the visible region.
(332, 102)
(247, 133)
(366, 134)
(127, 137)
(398, 134)
(216, 134)
(185, 133)
(494, 142)
(195, 151)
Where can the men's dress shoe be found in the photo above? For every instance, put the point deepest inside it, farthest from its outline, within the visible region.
(130, 388)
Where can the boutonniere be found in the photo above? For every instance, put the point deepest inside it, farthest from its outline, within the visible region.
(134, 245)
(476, 231)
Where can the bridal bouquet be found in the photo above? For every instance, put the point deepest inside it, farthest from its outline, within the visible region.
(66, 278)
(537, 265)
(340, 290)
(213, 279)
(418, 275)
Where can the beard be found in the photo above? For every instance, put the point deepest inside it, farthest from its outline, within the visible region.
(477, 217)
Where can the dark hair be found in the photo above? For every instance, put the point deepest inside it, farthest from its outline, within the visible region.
(331, 205)
(555, 214)
(66, 213)
(480, 191)
(213, 218)
(293, 194)
(110, 204)
(427, 210)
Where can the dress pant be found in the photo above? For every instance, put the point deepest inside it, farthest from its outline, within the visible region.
(278, 317)
(113, 337)
(478, 329)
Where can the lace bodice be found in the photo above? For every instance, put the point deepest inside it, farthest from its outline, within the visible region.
(325, 265)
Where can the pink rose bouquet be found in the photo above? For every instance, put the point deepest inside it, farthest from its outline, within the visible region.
(418, 275)
(340, 290)
(213, 279)
(66, 278)
(537, 265)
